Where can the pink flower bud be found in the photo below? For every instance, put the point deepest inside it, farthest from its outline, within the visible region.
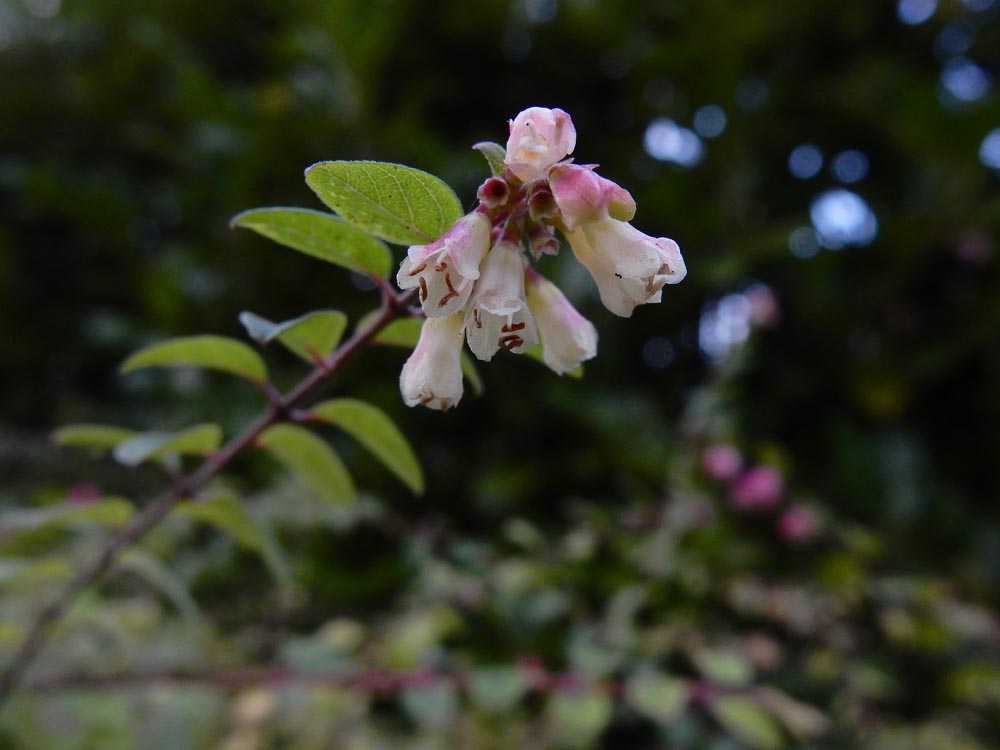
(539, 138)
(760, 488)
(584, 196)
(568, 338)
(721, 462)
(494, 192)
(798, 524)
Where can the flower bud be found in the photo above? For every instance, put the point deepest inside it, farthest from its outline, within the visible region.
(759, 488)
(539, 138)
(568, 338)
(493, 193)
(584, 196)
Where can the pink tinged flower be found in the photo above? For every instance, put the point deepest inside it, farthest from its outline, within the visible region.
(759, 488)
(445, 270)
(432, 376)
(798, 524)
(498, 312)
(721, 462)
(584, 196)
(568, 338)
(630, 267)
(539, 138)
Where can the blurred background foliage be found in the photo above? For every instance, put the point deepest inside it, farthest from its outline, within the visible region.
(586, 569)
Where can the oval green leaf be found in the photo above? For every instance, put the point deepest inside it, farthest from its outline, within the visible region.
(576, 719)
(311, 459)
(397, 203)
(311, 336)
(99, 436)
(320, 235)
(212, 352)
(374, 430)
(495, 156)
(406, 332)
(747, 722)
(656, 696)
(107, 511)
(228, 514)
(198, 441)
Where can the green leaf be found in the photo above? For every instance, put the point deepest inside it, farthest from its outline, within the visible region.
(724, 666)
(399, 204)
(311, 336)
(577, 718)
(406, 333)
(150, 569)
(433, 706)
(535, 352)
(320, 235)
(102, 437)
(198, 441)
(747, 722)
(374, 430)
(228, 514)
(495, 154)
(497, 689)
(213, 352)
(312, 459)
(656, 696)
(108, 511)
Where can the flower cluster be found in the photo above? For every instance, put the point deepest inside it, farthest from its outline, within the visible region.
(476, 283)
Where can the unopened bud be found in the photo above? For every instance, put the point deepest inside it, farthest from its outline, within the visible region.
(541, 204)
(494, 192)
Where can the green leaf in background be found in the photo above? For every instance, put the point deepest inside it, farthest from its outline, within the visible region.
(213, 352)
(397, 203)
(311, 336)
(228, 514)
(433, 706)
(724, 666)
(747, 722)
(656, 696)
(494, 154)
(575, 719)
(99, 436)
(150, 569)
(374, 430)
(312, 459)
(198, 441)
(497, 689)
(321, 235)
(406, 333)
(108, 511)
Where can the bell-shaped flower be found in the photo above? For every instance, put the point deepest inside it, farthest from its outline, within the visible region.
(539, 138)
(630, 267)
(498, 313)
(445, 270)
(583, 196)
(432, 376)
(568, 338)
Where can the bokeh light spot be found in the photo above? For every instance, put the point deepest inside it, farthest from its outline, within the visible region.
(850, 166)
(989, 150)
(805, 161)
(965, 81)
(915, 12)
(843, 218)
(658, 352)
(667, 141)
(710, 121)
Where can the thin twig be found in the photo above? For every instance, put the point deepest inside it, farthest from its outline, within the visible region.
(278, 410)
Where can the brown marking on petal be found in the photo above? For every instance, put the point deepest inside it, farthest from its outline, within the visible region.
(511, 327)
(618, 275)
(451, 291)
(441, 266)
(477, 317)
(417, 269)
(510, 342)
(423, 288)
(426, 400)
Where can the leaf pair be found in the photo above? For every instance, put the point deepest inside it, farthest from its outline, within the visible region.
(375, 201)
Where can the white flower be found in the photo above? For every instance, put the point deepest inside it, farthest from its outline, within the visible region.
(630, 267)
(539, 137)
(432, 376)
(568, 338)
(446, 269)
(498, 312)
